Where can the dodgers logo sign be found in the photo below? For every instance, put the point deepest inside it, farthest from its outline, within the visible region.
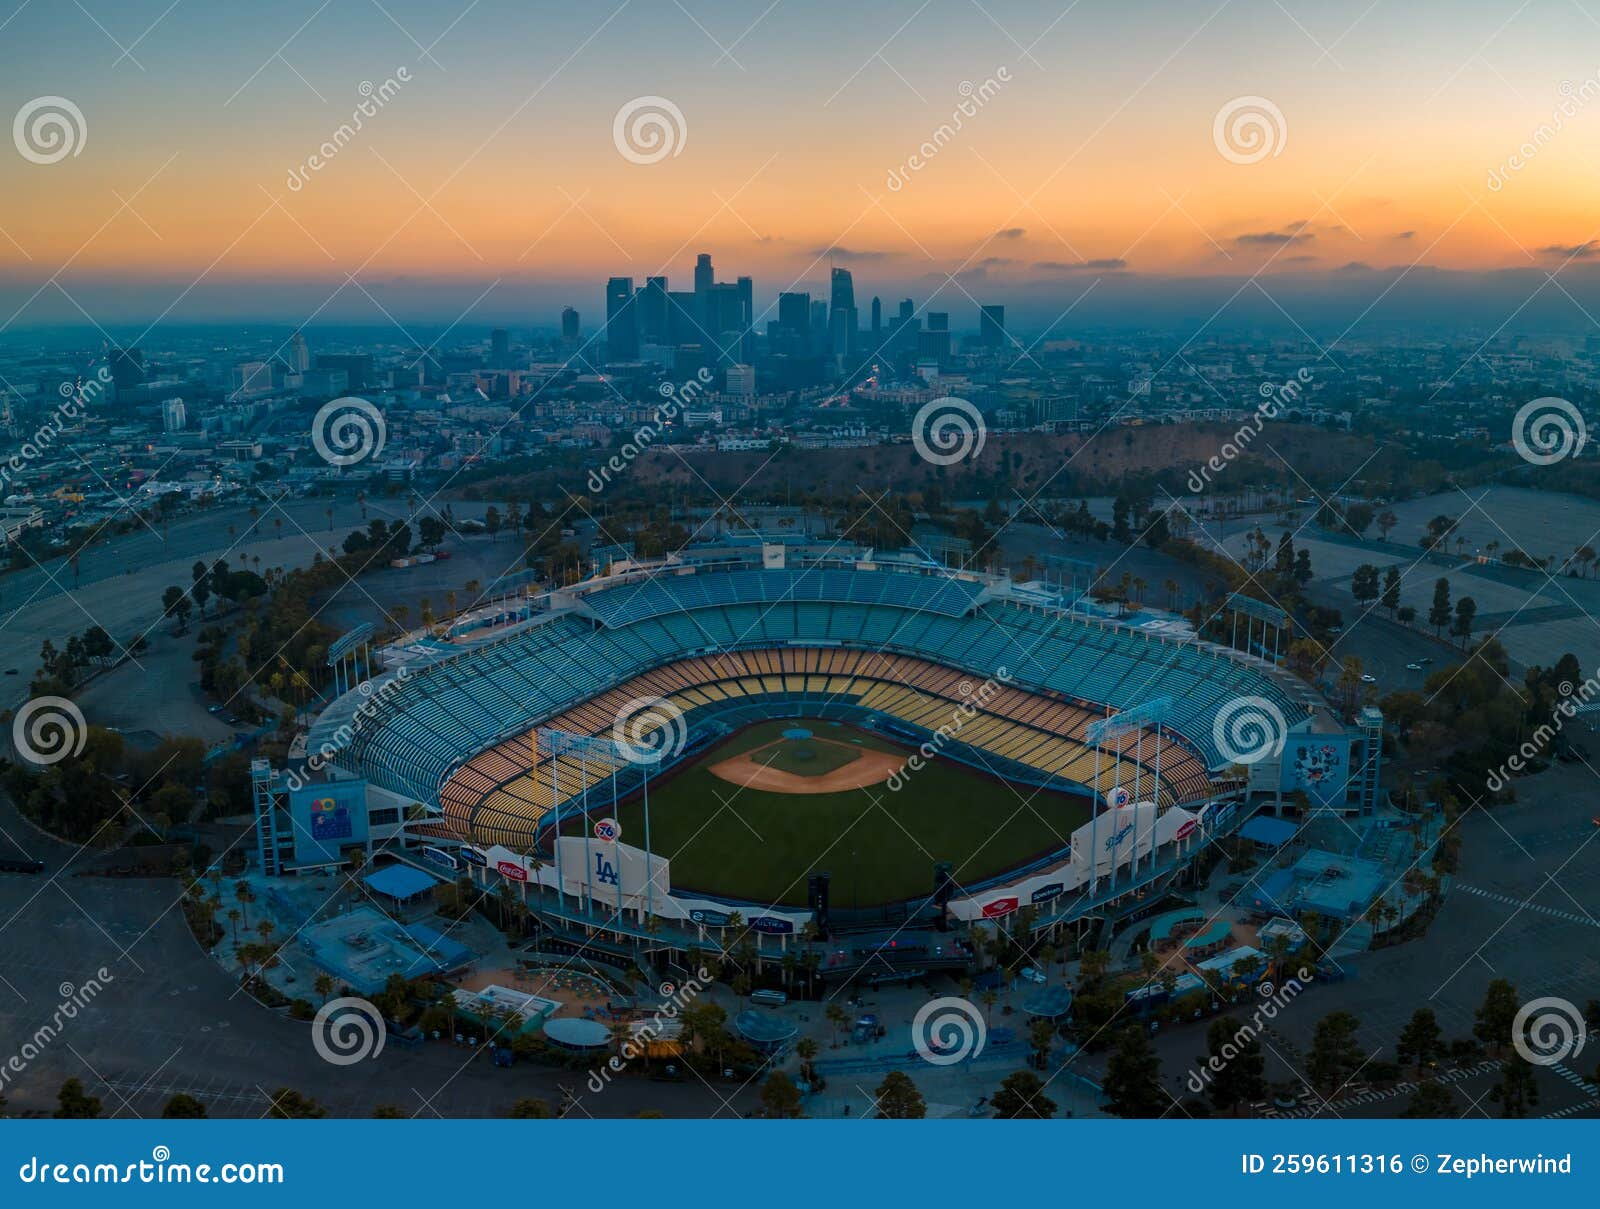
(605, 872)
(1117, 837)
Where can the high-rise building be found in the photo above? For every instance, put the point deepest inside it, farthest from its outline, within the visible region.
(992, 326)
(843, 292)
(684, 319)
(299, 354)
(622, 320)
(174, 415)
(877, 319)
(934, 344)
(571, 326)
(705, 278)
(499, 348)
(357, 367)
(742, 380)
(746, 287)
(127, 368)
(819, 326)
(794, 314)
(842, 313)
(653, 323)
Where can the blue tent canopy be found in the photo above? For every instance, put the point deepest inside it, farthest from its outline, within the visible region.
(1269, 831)
(400, 882)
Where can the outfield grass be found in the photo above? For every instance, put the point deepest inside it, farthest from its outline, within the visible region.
(762, 845)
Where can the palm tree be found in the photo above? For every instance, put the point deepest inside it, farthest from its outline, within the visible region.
(323, 985)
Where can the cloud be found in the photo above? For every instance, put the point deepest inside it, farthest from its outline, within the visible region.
(1011, 233)
(1107, 264)
(994, 262)
(1587, 250)
(838, 253)
(1405, 234)
(1273, 239)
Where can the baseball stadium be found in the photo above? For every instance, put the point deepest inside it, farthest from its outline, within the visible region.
(748, 716)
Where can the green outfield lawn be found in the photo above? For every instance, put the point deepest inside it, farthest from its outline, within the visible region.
(763, 845)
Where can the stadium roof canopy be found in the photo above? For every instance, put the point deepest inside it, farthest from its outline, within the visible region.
(1274, 833)
(763, 1028)
(400, 881)
(1051, 1003)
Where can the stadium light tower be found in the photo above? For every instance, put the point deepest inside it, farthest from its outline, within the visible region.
(1136, 719)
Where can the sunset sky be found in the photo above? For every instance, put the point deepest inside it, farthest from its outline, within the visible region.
(494, 167)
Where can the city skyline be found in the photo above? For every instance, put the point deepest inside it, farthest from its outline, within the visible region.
(1090, 163)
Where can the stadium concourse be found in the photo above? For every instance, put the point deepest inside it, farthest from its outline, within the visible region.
(539, 709)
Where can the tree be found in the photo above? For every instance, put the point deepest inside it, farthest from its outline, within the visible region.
(1466, 609)
(780, 1097)
(1516, 1092)
(1386, 520)
(530, 1109)
(491, 521)
(806, 1050)
(182, 1107)
(290, 1105)
(1238, 1065)
(1364, 583)
(1391, 589)
(1335, 1053)
(1497, 1014)
(387, 1112)
(1021, 1098)
(1432, 1100)
(1133, 1077)
(1439, 614)
(1420, 1043)
(898, 1099)
(75, 1104)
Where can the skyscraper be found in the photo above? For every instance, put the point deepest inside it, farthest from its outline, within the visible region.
(571, 326)
(877, 318)
(747, 318)
(653, 324)
(705, 278)
(499, 348)
(622, 320)
(992, 326)
(299, 354)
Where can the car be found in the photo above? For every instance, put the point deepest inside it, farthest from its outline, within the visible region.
(232, 719)
(1368, 678)
(11, 671)
(1425, 660)
(1413, 667)
(214, 709)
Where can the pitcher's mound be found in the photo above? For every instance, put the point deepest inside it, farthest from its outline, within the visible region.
(867, 768)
